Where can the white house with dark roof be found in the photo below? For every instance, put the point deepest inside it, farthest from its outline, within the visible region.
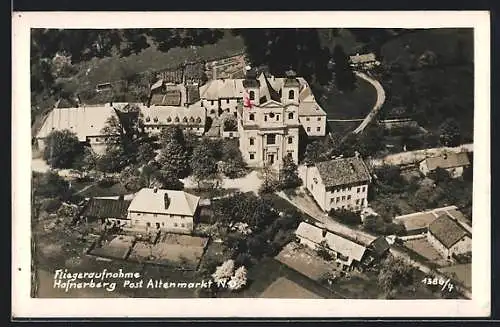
(339, 184)
(364, 61)
(449, 237)
(453, 163)
(165, 210)
(347, 253)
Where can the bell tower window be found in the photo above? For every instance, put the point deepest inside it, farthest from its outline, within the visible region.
(252, 95)
(291, 94)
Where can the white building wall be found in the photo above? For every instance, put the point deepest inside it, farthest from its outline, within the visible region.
(462, 246)
(168, 223)
(348, 197)
(314, 125)
(316, 187)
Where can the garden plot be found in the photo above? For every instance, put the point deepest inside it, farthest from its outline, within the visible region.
(182, 251)
(118, 247)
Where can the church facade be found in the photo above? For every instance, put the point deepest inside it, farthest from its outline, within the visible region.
(268, 121)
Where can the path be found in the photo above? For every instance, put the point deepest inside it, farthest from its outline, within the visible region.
(412, 157)
(378, 104)
(304, 203)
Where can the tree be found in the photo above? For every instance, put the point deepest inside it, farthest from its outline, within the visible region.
(346, 216)
(322, 251)
(203, 163)
(145, 153)
(269, 180)
(440, 176)
(396, 272)
(174, 159)
(113, 161)
(344, 76)
(239, 280)
(449, 133)
(62, 148)
(289, 176)
(165, 180)
(49, 185)
(89, 160)
(224, 272)
(130, 179)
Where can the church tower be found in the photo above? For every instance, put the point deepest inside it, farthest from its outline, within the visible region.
(252, 86)
(290, 90)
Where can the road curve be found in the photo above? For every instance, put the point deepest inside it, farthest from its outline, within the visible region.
(378, 104)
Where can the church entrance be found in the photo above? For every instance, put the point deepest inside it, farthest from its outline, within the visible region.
(270, 159)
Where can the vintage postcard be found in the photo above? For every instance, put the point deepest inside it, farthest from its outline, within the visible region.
(299, 164)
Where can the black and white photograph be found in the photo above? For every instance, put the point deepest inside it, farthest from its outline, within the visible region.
(343, 162)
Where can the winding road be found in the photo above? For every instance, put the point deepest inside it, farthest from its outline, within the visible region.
(378, 104)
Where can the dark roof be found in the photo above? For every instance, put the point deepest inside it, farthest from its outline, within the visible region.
(194, 71)
(449, 160)
(447, 231)
(343, 171)
(106, 208)
(291, 82)
(193, 93)
(171, 76)
(169, 98)
(379, 246)
(251, 83)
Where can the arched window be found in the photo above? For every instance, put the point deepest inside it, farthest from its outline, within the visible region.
(251, 117)
(177, 119)
(191, 120)
(212, 112)
(155, 119)
(290, 115)
(148, 119)
(252, 95)
(291, 95)
(169, 119)
(198, 120)
(185, 120)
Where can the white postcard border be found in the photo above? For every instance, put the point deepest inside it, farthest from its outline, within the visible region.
(25, 306)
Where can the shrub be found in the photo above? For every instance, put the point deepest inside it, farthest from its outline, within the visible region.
(50, 205)
(346, 216)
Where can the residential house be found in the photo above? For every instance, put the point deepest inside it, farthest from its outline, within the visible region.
(454, 163)
(339, 184)
(86, 122)
(347, 254)
(364, 61)
(106, 211)
(418, 222)
(165, 210)
(449, 237)
(191, 118)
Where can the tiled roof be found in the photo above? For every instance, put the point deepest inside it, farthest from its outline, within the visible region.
(181, 203)
(343, 171)
(222, 88)
(171, 76)
(192, 94)
(334, 241)
(449, 160)
(106, 208)
(380, 245)
(291, 82)
(310, 108)
(194, 71)
(170, 98)
(83, 121)
(166, 115)
(447, 230)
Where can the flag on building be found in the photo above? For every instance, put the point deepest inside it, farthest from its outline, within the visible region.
(246, 100)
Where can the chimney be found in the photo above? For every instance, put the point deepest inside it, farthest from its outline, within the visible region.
(352, 168)
(111, 103)
(155, 190)
(324, 232)
(166, 200)
(445, 156)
